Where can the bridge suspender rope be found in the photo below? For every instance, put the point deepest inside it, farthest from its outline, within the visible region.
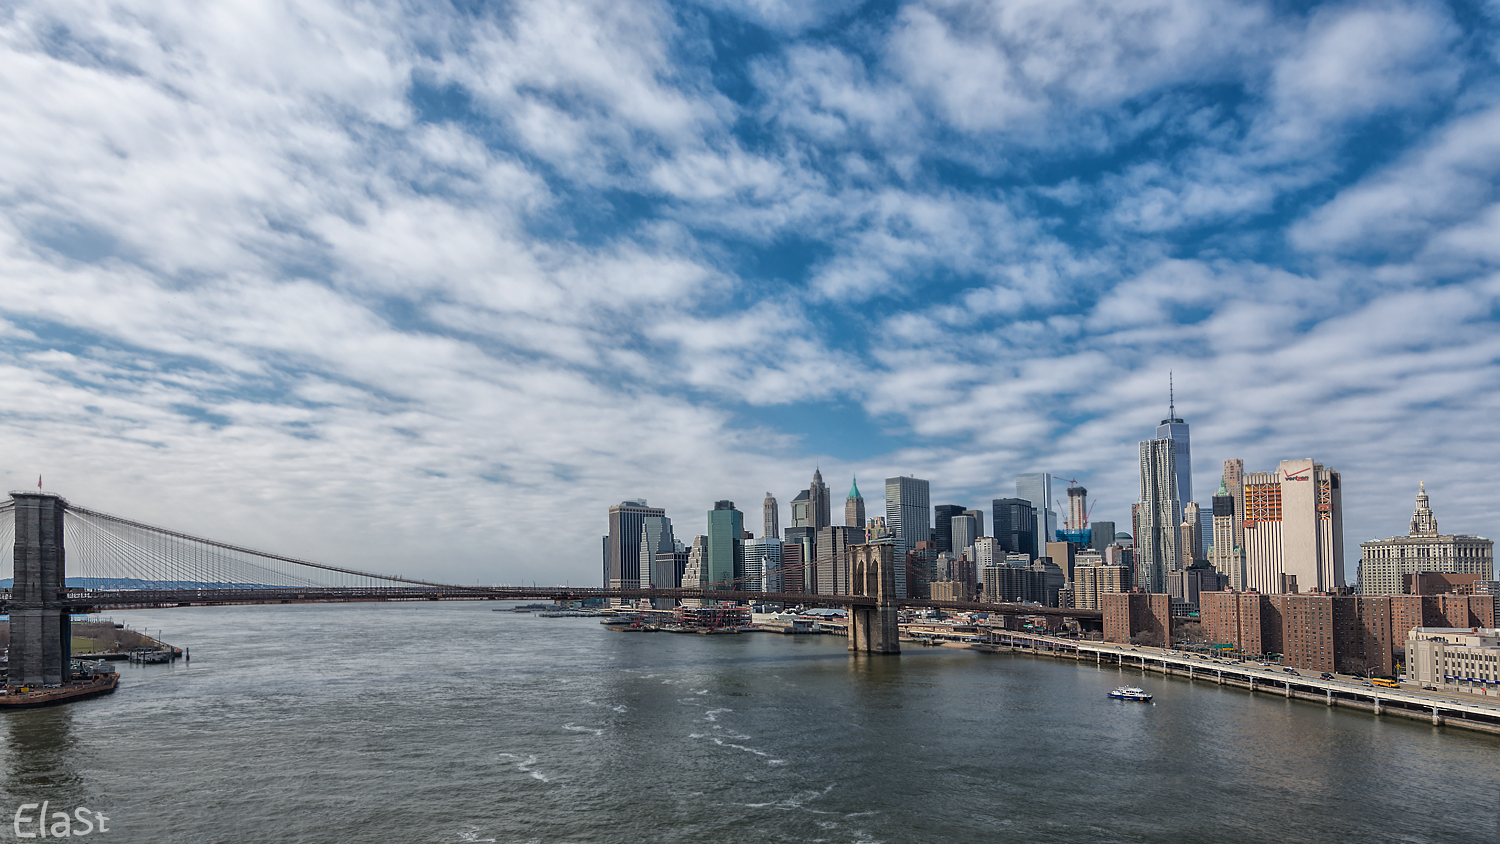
(137, 544)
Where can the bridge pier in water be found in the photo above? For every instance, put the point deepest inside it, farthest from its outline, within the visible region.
(872, 573)
(41, 634)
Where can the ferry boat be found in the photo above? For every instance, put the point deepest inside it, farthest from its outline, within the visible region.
(1131, 693)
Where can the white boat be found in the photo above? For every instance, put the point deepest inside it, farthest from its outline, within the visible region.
(1131, 693)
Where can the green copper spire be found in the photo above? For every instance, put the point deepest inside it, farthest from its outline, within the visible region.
(1223, 489)
(854, 490)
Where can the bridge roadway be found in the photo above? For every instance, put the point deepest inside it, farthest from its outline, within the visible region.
(1476, 712)
(94, 600)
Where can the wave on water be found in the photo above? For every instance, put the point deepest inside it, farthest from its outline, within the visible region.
(713, 714)
(524, 766)
(761, 753)
(722, 743)
(577, 729)
(472, 834)
(799, 802)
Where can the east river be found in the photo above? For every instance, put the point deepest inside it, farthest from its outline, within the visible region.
(453, 723)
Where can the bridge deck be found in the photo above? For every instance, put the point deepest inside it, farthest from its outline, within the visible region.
(87, 600)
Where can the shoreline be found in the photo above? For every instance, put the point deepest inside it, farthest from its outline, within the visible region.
(1435, 712)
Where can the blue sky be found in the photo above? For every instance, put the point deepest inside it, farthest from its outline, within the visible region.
(427, 287)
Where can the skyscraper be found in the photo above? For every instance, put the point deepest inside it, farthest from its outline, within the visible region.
(833, 558)
(794, 567)
(801, 512)
(1227, 557)
(623, 546)
(805, 540)
(693, 574)
(1015, 525)
(1159, 516)
(963, 530)
(1078, 509)
(1234, 484)
(1294, 529)
(771, 514)
(907, 511)
(763, 564)
(942, 526)
(673, 562)
(987, 552)
(656, 537)
(1090, 582)
(1194, 520)
(724, 557)
(1036, 487)
(1101, 535)
(1175, 429)
(978, 522)
(818, 508)
(921, 570)
(854, 507)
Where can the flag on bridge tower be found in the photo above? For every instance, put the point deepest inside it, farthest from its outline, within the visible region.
(38, 481)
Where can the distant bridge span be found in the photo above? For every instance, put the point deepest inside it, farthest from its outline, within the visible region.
(119, 563)
(103, 599)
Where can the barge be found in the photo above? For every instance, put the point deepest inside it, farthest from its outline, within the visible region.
(26, 697)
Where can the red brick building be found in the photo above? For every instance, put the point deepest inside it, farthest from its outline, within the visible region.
(1307, 631)
(1364, 641)
(1467, 610)
(1439, 583)
(1130, 614)
(1315, 632)
(1233, 618)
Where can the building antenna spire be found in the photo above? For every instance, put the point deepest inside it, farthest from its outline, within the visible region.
(1171, 397)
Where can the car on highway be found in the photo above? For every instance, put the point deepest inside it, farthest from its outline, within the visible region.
(1429, 688)
(1325, 676)
(1291, 671)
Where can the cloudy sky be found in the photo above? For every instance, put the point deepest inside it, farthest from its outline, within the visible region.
(425, 287)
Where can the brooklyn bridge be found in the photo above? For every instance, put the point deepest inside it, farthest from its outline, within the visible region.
(70, 559)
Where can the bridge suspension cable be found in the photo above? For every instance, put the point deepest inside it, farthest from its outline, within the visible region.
(105, 551)
(113, 547)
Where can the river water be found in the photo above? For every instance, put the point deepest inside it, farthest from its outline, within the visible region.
(449, 723)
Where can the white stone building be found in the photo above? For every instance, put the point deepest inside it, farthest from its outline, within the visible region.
(1385, 562)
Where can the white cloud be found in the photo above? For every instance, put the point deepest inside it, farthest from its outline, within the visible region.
(1360, 60)
(1447, 179)
(243, 284)
(1015, 65)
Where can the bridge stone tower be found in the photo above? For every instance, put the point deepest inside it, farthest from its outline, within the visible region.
(872, 572)
(41, 636)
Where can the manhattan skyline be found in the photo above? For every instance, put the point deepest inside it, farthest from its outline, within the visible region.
(522, 264)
